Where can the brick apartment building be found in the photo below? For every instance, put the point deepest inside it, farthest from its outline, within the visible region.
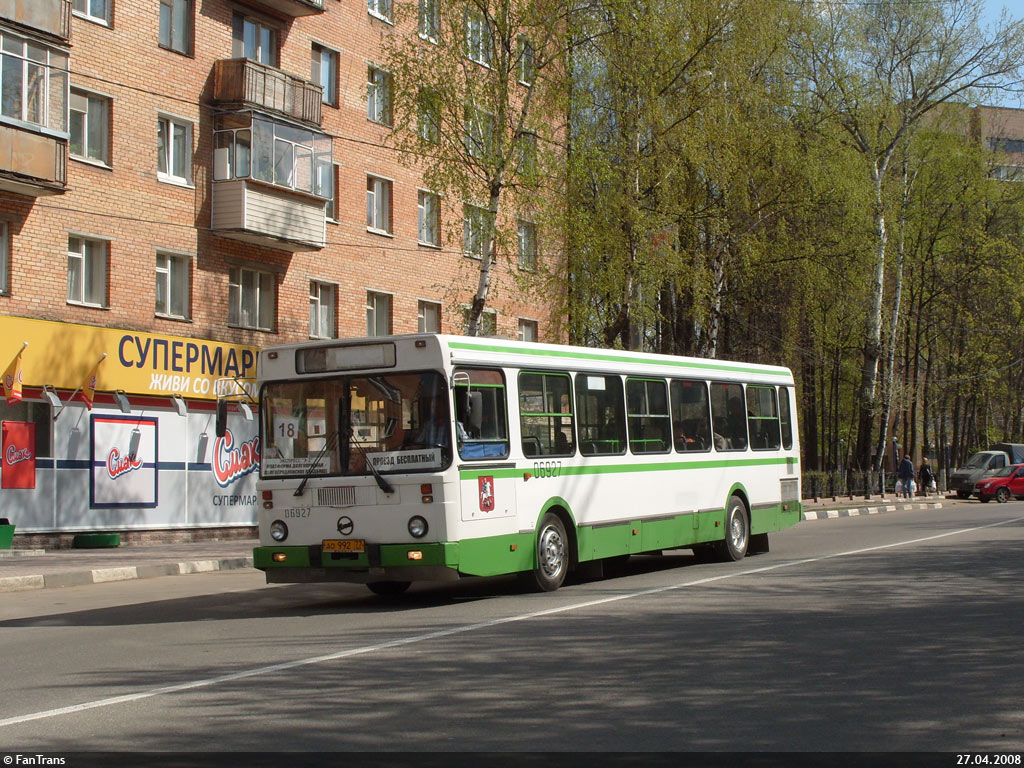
(183, 182)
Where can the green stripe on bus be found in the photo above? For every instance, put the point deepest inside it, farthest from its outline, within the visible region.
(611, 358)
(610, 469)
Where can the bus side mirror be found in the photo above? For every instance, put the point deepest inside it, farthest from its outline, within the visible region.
(222, 418)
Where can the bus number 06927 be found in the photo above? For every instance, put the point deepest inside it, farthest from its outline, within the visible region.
(547, 468)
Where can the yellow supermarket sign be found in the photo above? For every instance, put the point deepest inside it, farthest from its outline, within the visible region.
(63, 355)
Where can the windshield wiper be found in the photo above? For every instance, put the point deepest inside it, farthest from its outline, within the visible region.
(384, 484)
(329, 444)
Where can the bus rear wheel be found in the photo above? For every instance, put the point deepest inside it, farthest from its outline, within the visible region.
(388, 588)
(552, 553)
(737, 530)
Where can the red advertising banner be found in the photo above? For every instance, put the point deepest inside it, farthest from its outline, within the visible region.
(19, 455)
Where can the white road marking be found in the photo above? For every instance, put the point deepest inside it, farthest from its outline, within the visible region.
(363, 650)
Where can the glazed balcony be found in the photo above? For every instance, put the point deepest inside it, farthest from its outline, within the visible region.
(294, 7)
(271, 182)
(244, 84)
(52, 17)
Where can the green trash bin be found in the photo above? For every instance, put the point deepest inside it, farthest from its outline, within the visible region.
(6, 533)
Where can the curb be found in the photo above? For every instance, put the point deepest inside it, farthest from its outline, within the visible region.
(120, 573)
(831, 514)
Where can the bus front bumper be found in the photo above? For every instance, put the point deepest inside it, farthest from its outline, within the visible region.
(430, 561)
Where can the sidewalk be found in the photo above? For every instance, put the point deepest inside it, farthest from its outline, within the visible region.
(38, 569)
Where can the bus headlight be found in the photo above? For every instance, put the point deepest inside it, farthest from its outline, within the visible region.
(278, 530)
(417, 527)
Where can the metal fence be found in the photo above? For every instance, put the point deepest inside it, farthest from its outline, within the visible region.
(852, 484)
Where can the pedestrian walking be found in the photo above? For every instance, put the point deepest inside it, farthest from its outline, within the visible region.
(906, 475)
(927, 477)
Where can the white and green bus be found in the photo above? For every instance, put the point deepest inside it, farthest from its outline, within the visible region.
(395, 459)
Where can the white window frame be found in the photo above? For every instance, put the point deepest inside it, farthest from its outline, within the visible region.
(428, 218)
(528, 327)
(5, 259)
(526, 64)
(488, 320)
(265, 286)
(479, 46)
(429, 20)
(324, 72)
(323, 304)
(428, 125)
(174, 270)
(475, 230)
(41, 87)
(264, 39)
(87, 12)
(89, 257)
(176, 10)
(479, 136)
(526, 239)
(167, 156)
(87, 120)
(378, 308)
(424, 310)
(381, 9)
(378, 95)
(331, 206)
(378, 204)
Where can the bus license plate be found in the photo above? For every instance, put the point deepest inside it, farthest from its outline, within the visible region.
(344, 545)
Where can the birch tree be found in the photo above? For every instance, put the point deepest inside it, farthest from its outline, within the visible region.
(880, 67)
(473, 93)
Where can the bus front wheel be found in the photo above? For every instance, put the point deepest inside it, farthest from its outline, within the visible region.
(552, 553)
(737, 530)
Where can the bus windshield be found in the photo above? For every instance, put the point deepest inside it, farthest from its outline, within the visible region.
(399, 422)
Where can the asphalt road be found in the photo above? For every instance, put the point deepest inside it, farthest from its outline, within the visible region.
(897, 632)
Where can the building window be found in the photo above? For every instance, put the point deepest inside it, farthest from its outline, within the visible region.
(329, 182)
(525, 64)
(321, 310)
(378, 204)
(174, 150)
(428, 317)
(95, 10)
(527, 235)
(380, 8)
(172, 285)
(429, 208)
(526, 154)
(90, 127)
(378, 96)
(527, 330)
(478, 37)
(325, 73)
(378, 314)
(251, 39)
(33, 82)
(479, 135)
(176, 25)
(428, 126)
(430, 20)
(87, 271)
(475, 231)
(251, 299)
(488, 322)
(5, 259)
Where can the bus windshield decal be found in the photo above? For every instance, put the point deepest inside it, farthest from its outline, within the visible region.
(428, 458)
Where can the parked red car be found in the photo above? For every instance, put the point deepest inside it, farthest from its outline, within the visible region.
(1005, 484)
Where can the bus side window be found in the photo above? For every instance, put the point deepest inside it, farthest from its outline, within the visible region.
(545, 413)
(481, 413)
(601, 414)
